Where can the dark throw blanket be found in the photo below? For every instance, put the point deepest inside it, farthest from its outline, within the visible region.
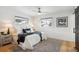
(21, 37)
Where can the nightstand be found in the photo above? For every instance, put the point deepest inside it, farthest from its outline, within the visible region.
(5, 39)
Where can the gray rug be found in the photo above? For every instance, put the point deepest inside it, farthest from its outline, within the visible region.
(50, 45)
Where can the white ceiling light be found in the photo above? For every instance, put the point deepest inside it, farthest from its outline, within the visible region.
(39, 13)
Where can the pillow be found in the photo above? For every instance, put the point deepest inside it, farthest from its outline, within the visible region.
(27, 30)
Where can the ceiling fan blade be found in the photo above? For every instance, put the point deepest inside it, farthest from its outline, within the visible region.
(34, 10)
(45, 12)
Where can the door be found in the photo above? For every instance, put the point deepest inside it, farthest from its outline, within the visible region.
(77, 28)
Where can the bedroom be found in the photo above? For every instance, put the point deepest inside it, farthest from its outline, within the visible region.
(56, 23)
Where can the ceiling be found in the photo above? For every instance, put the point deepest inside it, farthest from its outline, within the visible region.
(49, 9)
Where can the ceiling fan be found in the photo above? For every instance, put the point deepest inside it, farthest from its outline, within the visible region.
(39, 11)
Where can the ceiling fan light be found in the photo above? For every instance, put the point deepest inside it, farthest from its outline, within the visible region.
(39, 13)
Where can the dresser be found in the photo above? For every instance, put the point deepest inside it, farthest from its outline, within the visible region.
(5, 39)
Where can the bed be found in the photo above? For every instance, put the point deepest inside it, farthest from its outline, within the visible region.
(31, 40)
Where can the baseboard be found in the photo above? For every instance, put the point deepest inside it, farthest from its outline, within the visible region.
(62, 39)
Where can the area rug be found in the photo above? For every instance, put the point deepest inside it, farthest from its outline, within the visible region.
(49, 45)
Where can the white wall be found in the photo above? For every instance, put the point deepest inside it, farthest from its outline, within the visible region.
(65, 33)
(8, 13)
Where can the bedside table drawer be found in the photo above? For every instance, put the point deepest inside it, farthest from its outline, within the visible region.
(4, 41)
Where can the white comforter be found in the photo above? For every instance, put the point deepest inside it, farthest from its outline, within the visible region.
(30, 41)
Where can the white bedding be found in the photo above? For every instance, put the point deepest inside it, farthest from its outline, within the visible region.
(30, 41)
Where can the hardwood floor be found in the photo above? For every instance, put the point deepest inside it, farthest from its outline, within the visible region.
(66, 46)
(7, 48)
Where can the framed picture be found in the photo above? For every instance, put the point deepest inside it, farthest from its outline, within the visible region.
(62, 21)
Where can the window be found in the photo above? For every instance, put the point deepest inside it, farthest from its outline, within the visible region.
(21, 20)
(46, 21)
